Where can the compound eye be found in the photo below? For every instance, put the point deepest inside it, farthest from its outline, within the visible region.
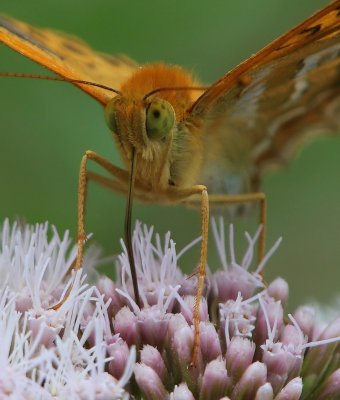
(160, 119)
(111, 114)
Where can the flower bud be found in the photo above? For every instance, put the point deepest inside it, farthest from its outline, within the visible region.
(292, 391)
(265, 392)
(125, 323)
(273, 312)
(319, 357)
(209, 342)
(151, 357)
(252, 379)
(215, 381)
(153, 326)
(330, 388)
(107, 287)
(305, 318)
(181, 392)
(278, 289)
(120, 353)
(239, 356)
(150, 383)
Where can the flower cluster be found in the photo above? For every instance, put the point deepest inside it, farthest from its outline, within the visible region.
(49, 352)
(99, 344)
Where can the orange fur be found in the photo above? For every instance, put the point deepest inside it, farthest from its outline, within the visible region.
(155, 76)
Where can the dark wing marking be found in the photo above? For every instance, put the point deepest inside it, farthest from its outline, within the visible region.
(328, 22)
(259, 113)
(67, 56)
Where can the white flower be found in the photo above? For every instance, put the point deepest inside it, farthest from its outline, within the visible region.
(46, 352)
(84, 349)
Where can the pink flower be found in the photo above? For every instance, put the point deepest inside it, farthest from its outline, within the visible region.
(99, 344)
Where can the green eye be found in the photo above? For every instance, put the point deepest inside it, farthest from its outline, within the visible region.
(160, 119)
(110, 115)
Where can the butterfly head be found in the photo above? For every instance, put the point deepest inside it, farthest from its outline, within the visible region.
(145, 125)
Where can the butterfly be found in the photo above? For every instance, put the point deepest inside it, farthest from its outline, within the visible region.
(180, 141)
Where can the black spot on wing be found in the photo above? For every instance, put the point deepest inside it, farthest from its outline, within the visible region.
(29, 38)
(312, 30)
(73, 47)
(90, 65)
(118, 60)
(299, 65)
(283, 46)
(111, 59)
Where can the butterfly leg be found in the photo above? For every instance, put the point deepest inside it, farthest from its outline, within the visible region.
(118, 185)
(121, 176)
(180, 194)
(217, 200)
(84, 176)
(108, 183)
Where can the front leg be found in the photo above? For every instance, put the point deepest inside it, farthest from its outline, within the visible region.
(122, 177)
(181, 195)
(119, 185)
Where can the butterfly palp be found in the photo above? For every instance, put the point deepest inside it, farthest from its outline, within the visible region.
(160, 118)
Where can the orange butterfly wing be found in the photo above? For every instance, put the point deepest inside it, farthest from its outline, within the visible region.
(67, 56)
(321, 26)
(271, 102)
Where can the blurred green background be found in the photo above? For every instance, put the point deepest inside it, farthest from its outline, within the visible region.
(47, 126)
